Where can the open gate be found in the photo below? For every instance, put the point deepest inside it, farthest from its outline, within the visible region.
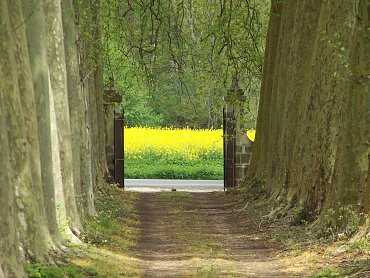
(229, 149)
(118, 150)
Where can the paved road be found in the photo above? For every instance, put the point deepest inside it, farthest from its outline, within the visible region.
(149, 185)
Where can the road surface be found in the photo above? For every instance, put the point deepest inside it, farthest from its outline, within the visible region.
(155, 185)
(184, 234)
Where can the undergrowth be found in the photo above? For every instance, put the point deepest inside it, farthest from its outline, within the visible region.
(46, 271)
(113, 225)
(344, 222)
(108, 237)
(334, 272)
(325, 249)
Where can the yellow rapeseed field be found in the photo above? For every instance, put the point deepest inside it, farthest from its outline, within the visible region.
(173, 145)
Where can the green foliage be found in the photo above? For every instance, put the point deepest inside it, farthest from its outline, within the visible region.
(98, 227)
(207, 272)
(345, 220)
(152, 156)
(181, 57)
(113, 226)
(360, 246)
(257, 188)
(209, 171)
(127, 79)
(138, 112)
(46, 271)
(300, 216)
(297, 215)
(331, 272)
(327, 273)
(113, 230)
(63, 226)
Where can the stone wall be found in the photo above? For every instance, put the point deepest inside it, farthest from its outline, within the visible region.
(243, 153)
(109, 109)
(112, 99)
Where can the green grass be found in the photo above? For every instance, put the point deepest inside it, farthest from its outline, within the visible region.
(204, 170)
(108, 236)
(332, 272)
(114, 225)
(46, 271)
(360, 246)
(207, 272)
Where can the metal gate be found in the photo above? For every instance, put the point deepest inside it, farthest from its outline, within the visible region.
(229, 136)
(118, 150)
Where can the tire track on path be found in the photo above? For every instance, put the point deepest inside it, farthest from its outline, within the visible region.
(199, 235)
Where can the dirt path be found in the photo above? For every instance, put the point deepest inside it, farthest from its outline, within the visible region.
(198, 235)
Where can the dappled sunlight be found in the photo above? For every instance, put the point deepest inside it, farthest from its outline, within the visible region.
(107, 263)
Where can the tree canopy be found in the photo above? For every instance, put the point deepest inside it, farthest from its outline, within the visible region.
(179, 57)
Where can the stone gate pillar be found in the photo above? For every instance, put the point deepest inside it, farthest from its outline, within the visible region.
(237, 147)
(112, 99)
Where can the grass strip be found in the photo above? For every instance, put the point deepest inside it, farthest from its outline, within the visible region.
(211, 171)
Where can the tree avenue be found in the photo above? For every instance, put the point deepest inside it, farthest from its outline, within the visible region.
(312, 143)
(312, 149)
(52, 147)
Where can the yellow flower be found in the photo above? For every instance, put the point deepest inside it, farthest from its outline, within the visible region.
(251, 134)
(172, 143)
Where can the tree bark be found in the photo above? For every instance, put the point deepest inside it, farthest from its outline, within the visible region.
(40, 184)
(81, 171)
(58, 78)
(9, 243)
(54, 199)
(91, 75)
(29, 109)
(32, 226)
(35, 28)
(312, 141)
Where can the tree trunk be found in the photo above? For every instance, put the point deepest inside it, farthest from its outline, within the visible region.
(32, 225)
(76, 107)
(312, 142)
(9, 243)
(29, 108)
(91, 74)
(41, 186)
(54, 200)
(58, 78)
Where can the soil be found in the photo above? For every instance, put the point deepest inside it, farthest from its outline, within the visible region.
(200, 235)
